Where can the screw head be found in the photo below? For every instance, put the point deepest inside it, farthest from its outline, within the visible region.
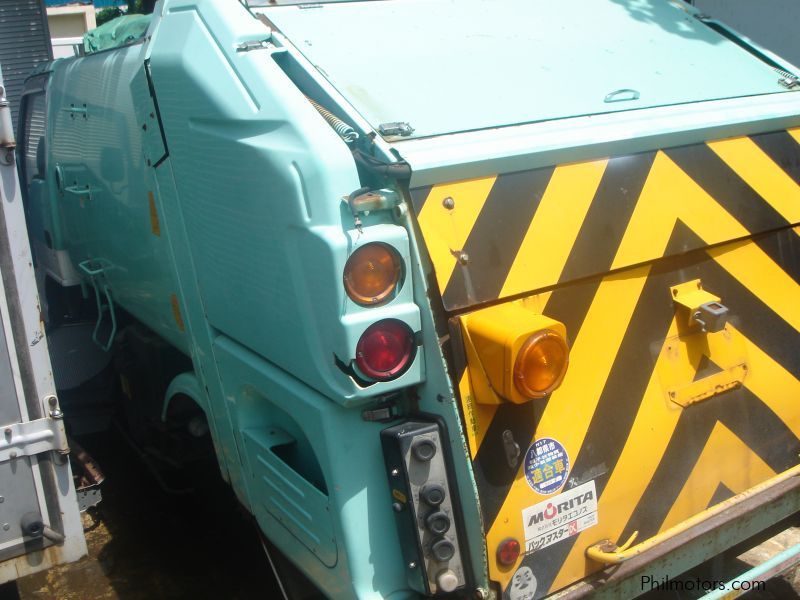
(449, 203)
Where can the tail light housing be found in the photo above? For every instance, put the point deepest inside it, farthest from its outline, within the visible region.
(515, 353)
(372, 274)
(385, 350)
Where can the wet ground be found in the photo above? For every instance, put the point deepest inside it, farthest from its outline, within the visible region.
(147, 544)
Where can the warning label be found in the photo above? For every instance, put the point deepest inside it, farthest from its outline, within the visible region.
(560, 517)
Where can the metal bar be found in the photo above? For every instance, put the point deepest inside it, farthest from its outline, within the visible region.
(608, 553)
(773, 567)
(734, 525)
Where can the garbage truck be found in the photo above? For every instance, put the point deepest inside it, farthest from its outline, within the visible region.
(477, 299)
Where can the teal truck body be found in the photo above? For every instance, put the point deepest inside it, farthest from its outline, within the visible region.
(196, 180)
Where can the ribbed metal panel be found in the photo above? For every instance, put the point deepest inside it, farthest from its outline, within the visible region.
(24, 43)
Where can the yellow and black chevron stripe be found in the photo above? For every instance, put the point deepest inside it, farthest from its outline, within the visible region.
(605, 240)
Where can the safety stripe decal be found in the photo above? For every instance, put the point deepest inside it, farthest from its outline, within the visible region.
(490, 249)
(780, 146)
(588, 236)
(778, 450)
(609, 433)
(495, 249)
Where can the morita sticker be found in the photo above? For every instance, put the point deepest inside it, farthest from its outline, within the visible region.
(560, 518)
(546, 466)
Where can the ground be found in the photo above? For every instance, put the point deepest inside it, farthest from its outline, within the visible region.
(147, 544)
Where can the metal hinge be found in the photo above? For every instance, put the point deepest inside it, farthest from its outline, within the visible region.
(34, 437)
(788, 80)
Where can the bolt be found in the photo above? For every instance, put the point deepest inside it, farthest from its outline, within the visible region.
(52, 401)
(463, 258)
(395, 472)
(449, 203)
(412, 565)
(481, 594)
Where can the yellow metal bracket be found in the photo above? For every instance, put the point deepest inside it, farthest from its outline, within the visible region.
(696, 307)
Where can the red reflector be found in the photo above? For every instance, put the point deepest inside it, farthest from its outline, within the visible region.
(385, 349)
(508, 552)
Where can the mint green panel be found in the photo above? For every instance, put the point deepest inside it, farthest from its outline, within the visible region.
(99, 181)
(260, 178)
(446, 67)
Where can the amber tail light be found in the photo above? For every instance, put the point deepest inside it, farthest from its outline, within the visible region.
(372, 274)
(541, 364)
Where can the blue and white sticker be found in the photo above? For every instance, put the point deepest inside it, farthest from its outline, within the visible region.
(546, 466)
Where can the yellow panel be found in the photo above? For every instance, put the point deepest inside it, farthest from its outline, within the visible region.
(669, 194)
(630, 477)
(762, 174)
(575, 401)
(758, 272)
(554, 227)
(740, 470)
(795, 133)
(773, 384)
(446, 231)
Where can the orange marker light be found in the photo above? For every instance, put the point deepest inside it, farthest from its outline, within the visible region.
(541, 364)
(372, 273)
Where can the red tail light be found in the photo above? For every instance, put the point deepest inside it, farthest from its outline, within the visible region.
(385, 350)
(508, 552)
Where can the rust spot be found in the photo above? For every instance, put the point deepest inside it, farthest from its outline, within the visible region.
(176, 312)
(154, 224)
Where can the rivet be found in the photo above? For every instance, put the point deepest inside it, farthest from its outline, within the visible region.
(449, 203)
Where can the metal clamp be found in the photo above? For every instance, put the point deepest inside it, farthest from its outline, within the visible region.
(33, 437)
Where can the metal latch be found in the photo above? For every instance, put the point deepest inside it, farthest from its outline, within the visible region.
(711, 316)
(254, 45)
(400, 128)
(700, 307)
(34, 437)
